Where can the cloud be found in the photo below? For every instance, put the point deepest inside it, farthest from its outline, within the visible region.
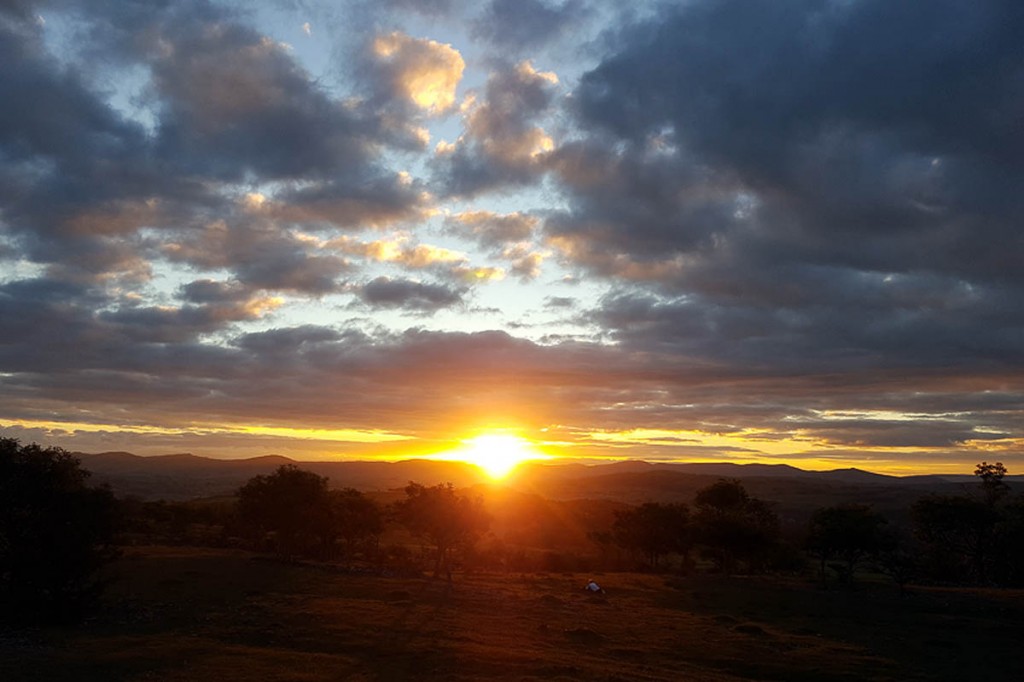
(856, 149)
(306, 375)
(802, 221)
(559, 302)
(452, 265)
(774, 195)
(375, 201)
(502, 145)
(83, 332)
(260, 254)
(223, 85)
(430, 8)
(525, 263)
(278, 342)
(229, 301)
(421, 71)
(477, 274)
(398, 250)
(425, 255)
(166, 324)
(639, 213)
(74, 173)
(493, 230)
(519, 25)
(384, 292)
(508, 237)
(144, 367)
(81, 180)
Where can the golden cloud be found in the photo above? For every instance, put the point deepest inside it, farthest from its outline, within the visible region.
(423, 71)
(395, 250)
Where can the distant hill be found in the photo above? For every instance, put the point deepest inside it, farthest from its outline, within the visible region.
(185, 476)
(791, 490)
(716, 469)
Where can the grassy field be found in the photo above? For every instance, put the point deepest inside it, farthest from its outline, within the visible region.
(190, 614)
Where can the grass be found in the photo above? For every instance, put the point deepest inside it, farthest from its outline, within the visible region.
(189, 614)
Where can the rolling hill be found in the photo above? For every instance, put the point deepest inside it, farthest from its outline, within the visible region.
(792, 491)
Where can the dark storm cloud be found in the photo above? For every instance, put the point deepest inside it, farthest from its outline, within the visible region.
(807, 185)
(384, 292)
(503, 144)
(519, 25)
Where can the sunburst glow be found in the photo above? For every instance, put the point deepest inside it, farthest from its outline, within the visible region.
(497, 453)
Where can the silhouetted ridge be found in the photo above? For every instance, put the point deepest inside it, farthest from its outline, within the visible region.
(186, 476)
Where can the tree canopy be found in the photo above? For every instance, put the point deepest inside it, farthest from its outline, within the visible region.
(447, 519)
(732, 526)
(848, 534)
(56, 532)
(976, 537)
(653, 529)
(297, 510)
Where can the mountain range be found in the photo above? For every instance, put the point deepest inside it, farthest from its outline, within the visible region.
(187, 476)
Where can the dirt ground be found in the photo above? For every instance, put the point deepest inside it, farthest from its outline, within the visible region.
(184, 614)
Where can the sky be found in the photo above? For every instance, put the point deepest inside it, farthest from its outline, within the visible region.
(779, 232)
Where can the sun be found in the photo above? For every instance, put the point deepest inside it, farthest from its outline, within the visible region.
(497, 453)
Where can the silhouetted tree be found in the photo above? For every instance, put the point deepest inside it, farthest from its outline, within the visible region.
(355, 519)
(186, 522)
(898, 558)
(1009, 540)
(972, 537)
(732, 526)
(992, 486)
(605, 542)
(291, 503)
(448, 520)
(848, 534)
(956, 532)
(55, 533)
(654, 530)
